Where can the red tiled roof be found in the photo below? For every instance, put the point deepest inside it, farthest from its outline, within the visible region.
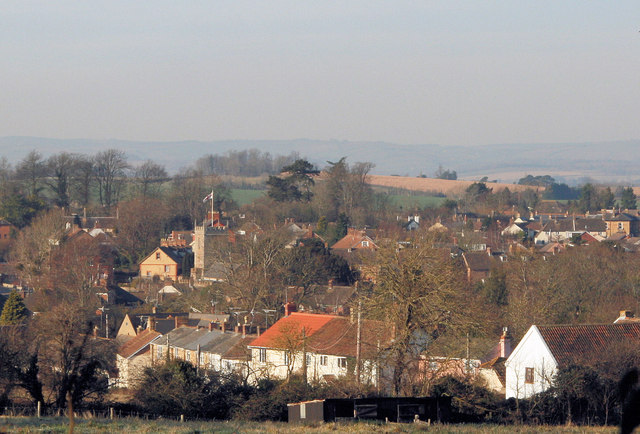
(570, 342)
(137, 343)
(296, 322)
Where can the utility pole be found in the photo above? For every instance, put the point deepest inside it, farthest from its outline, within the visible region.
(358, 342)
(304, 356)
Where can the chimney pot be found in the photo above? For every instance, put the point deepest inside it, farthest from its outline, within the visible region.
(258, 330)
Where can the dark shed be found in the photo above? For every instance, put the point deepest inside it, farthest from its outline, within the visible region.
(392, 409)
(321, 410)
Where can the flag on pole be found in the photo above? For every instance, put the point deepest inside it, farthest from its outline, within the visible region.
(209, 197)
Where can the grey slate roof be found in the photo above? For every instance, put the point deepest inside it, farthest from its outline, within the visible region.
(215, 341)
(581, 224)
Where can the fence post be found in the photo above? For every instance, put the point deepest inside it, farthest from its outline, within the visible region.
(111, 413)
(39, 410)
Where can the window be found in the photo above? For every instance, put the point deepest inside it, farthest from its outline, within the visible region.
(159, 349)
(201, 361)
(167, 268)
(148, 273)
(365, 244)
(323, 360)
(157, 255)
(528, 375)
(175, 353)
(308, 359)
(263, 355)
(620, 226)
(342, 362)
(287, 358)
(188, 355)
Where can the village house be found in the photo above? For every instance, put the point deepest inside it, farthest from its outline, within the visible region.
(622, 223)
(355, 240)
(532, 365)
(165, 262)
(565, 229)
(211, 348)
(325, 346)
(490, 368)
(133, 357)
(478, 265)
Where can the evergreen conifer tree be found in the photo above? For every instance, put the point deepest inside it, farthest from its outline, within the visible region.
(14, 311)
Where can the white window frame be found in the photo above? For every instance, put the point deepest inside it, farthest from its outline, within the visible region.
(342, 362)
(262, 355)
(324, 360)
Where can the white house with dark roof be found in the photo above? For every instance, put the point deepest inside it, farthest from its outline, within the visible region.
(532, 365)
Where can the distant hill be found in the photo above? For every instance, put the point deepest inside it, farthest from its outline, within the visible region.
(567, 162)
(444, 186)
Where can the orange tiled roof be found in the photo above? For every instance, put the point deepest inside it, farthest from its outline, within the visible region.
(296, 322)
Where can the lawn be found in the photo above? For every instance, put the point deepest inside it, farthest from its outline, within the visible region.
(60, 425)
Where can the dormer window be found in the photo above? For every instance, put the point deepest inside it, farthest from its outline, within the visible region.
(365, 244)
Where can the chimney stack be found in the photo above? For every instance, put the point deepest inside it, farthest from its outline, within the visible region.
(151, 324)
(258, 330)
(505, 343)
(211, 326)
(289, 308)
(181, 321)
(154, 310)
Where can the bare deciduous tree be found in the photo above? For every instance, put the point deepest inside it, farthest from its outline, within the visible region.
(110, 167)
(148, 177)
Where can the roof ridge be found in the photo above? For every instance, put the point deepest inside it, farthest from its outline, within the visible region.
(584, 325)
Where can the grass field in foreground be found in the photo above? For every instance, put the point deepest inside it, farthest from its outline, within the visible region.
(60, 425)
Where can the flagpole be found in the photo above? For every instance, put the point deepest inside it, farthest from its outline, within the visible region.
(212, 207)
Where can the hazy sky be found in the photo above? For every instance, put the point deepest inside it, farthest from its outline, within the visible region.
(444, 72)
